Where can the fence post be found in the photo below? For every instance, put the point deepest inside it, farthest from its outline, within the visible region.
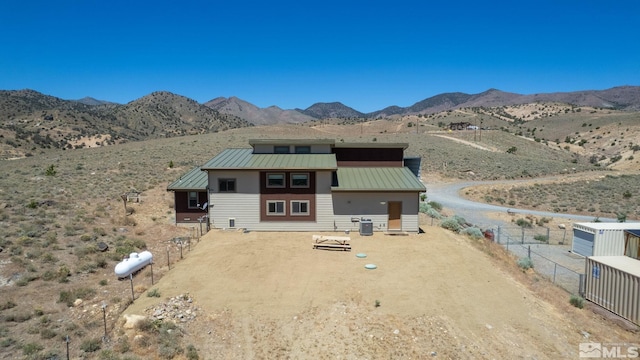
(499, 236)
(555, 266)
(581, 286)
(563, 235)
(548, 235)
(522, 234)
(529, 251)
(168, 261)
(133, 297)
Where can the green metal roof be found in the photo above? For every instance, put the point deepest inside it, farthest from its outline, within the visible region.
(377, 179)
(245, 159)
(195, 179)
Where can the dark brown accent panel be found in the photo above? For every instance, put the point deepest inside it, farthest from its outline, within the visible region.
(287, 198)
(360, 155)
(287, 189)
(370, 164)
(183, 213)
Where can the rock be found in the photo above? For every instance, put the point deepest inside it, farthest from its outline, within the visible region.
(77, 303)
(561, 226)
(396, 332)
(130, 321)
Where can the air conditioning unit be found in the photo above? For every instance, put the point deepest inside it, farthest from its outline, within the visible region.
(366, 227)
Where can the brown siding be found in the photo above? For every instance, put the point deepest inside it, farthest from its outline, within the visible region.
(287, 198)
(365, 155)
(287, 189)
(370, 163)
(181, 206)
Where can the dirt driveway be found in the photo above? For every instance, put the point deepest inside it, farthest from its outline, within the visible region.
(271, 296)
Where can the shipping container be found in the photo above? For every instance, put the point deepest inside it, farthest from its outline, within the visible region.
(600, 238)
(613, 282)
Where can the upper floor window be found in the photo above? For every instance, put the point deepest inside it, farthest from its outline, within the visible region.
(275, 180)
(227, 185)
(303, 149)
(281, 149)
(300, 180)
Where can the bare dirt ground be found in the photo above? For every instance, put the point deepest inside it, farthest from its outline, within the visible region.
(264, 295)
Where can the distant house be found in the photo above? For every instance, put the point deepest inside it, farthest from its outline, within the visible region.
(312, 185)
(190, 197)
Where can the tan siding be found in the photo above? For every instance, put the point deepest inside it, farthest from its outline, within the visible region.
(242, 207)
(374, 206)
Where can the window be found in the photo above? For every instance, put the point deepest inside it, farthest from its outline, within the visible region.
(281, 149)
(303, 149)
(299, 207)
(300, 180)
(227, 185)
(275, 180)
(193, 200)
(275, 207)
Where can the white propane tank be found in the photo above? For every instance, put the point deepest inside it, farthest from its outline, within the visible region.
(133, 263)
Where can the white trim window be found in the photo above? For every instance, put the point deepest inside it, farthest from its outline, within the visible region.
(275, 180)
(300, 180)
(276, 208)
(299, 207)
(193, 200)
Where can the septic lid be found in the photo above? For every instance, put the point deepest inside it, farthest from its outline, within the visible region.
(361, 255)
(370, 266)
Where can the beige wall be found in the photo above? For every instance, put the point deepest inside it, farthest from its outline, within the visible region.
(373, 205)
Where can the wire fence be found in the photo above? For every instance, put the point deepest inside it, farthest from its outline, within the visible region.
(89, 327)
(549, 252)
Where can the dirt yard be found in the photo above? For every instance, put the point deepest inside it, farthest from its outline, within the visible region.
(263, 295)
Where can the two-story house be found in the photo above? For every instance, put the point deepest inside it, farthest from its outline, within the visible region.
(310, 185)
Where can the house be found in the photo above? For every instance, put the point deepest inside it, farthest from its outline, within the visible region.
(313, 185)
(190, 197)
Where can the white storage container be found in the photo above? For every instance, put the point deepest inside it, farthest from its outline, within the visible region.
(600, 238)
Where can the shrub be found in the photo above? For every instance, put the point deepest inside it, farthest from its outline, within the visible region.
(540, 237)
(154, 293)
(51, 171)
(90, 345)
(525, 263)
(436, 205)
(576, 301)
(192, 353)
(451, 223)
(473, 232)
(31, 348)
(524, 223)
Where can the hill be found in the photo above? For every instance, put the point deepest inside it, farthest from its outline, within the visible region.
(32, 122)
(254, 114)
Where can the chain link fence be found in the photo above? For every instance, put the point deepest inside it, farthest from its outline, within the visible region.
(549, 251)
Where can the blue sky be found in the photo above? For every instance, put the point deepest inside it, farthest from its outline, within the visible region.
(366, 54)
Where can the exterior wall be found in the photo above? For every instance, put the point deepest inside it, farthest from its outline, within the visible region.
(613, 288)
(269, 148)
(243, 205)
(606, 239)
(181, 205)
(349, 206)
(370, 163)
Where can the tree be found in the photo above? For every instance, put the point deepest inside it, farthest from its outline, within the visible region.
(512, 150)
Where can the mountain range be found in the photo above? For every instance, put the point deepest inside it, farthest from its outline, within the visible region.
(30, 120)
(619, 98)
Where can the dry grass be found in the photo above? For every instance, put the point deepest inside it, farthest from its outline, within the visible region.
(56, 206)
